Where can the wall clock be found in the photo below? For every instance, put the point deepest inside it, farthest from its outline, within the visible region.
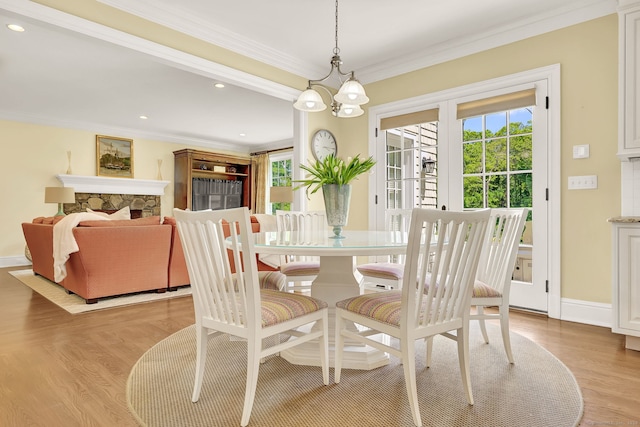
(323, 143)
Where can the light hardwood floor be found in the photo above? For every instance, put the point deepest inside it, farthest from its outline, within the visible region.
(58, 369)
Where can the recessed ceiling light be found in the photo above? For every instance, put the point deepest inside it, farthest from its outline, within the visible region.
(219, 85)
(144, 117)
(15, 27)
(243, 134)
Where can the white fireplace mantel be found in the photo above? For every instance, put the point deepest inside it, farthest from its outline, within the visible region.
(102, 185)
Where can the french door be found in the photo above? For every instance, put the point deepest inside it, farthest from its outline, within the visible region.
(473, 152)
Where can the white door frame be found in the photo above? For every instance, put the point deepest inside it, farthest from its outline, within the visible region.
(441, 100)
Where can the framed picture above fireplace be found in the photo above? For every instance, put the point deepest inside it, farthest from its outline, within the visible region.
(114, 156)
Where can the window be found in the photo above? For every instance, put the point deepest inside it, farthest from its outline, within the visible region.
(497, 160)
(280, 176)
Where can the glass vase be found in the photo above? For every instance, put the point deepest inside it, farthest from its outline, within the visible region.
(336, 203)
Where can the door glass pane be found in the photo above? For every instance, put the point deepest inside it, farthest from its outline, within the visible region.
(520, 121)
(412, 166)
(472, 157)
(496, 191)
(520, 152)
(496, 124)
(520, 190)
(473, 192)
(496, 155)
(472, 129)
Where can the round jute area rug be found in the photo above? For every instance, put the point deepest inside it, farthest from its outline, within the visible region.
(537, 391)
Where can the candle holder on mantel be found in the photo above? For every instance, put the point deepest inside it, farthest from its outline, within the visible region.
(69, 162)
(159, 177)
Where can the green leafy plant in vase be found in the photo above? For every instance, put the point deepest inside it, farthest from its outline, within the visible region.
(334, 175)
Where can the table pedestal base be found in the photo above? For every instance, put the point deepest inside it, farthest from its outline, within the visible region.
(355, 357)
(337, 281)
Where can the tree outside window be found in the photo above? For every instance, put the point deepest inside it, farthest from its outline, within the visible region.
(497, 156)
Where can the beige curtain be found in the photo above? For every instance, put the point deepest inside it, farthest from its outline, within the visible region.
(261, 184)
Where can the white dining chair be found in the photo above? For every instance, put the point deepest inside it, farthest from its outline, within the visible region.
(231, 302)
(493, 279)
(387, 274)
(300, 270)
(442, 257)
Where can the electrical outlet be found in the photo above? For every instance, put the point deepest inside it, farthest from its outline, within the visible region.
(585, 182)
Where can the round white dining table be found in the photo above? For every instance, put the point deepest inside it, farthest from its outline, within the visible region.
(338, 279)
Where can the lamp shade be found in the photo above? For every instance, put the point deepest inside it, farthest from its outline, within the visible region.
(310, 101)
(351, 92)
(347, 110)
(281, 195)
(59, 195)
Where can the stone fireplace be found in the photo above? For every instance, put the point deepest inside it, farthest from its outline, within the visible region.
(99, 193)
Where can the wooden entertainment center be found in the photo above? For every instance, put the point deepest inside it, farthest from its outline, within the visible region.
(229, 177)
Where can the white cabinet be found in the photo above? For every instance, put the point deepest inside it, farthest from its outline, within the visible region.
(629, 79)
(626, 282)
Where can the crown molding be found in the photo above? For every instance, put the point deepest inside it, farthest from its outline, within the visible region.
(176, 19)
(534, 26)
(626, 4)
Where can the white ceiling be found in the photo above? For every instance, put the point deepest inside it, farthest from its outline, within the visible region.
(53, 75)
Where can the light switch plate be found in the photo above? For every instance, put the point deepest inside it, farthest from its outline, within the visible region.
(581, 151)
(585, 182)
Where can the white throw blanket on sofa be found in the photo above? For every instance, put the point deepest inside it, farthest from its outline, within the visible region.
(64, 243)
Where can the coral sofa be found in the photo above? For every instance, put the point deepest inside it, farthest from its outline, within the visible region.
(115, 257)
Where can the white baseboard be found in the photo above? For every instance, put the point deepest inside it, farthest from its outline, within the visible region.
(590, 313)
(14, 261)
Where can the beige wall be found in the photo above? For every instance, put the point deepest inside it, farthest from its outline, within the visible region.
(32, 157)
(588, 57)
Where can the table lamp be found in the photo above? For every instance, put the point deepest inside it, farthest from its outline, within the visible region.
(280, 194)
(59, 195)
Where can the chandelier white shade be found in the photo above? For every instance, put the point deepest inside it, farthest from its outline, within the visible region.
(310, 101)
(351, 92)
(345, 103)
(347, 110)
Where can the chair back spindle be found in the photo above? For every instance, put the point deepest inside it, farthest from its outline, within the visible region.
(222, 294)
(440, 277)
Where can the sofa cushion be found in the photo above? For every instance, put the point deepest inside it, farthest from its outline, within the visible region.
(47, 220)
(255, 224)
(149, 220)
(124, 213)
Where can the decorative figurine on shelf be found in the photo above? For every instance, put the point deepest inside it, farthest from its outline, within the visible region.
(231, 169)
(203, 167)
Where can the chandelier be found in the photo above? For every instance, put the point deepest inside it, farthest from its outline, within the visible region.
(345, 103)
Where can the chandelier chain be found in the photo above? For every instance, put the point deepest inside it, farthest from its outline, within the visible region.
(336, 50)
(346, 102)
